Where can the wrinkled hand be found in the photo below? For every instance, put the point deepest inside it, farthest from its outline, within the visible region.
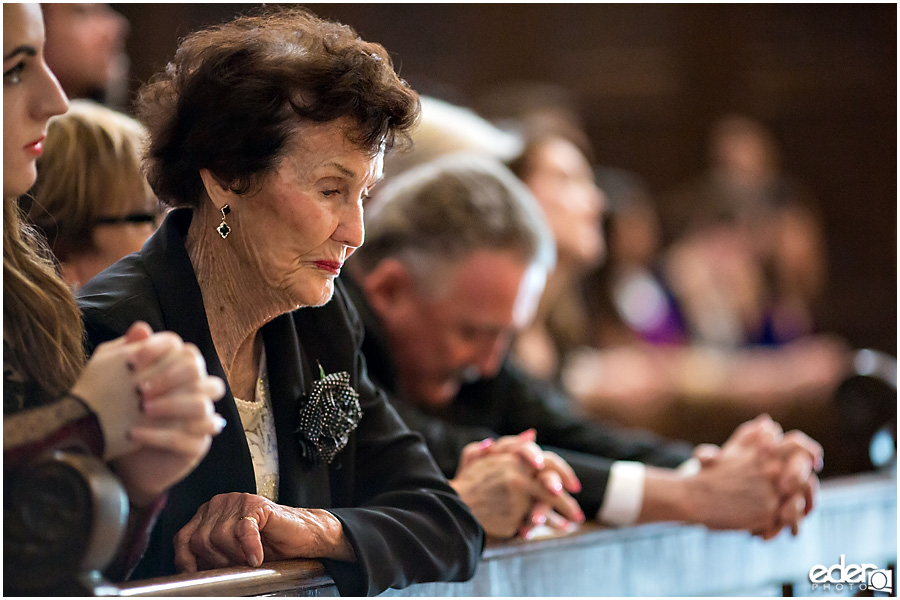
(512, 485)
(790, 459)
(245, 529)
(499, 489)
(177, 419)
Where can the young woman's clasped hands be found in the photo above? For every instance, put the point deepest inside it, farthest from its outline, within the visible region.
(164, 420)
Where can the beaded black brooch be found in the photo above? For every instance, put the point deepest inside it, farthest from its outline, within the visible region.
(328, 416)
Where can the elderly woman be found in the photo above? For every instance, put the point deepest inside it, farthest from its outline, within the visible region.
(91, 199)
(52, 397)
(270, 131)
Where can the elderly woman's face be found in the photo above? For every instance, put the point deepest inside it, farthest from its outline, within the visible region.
(308, 216)
(31, 95)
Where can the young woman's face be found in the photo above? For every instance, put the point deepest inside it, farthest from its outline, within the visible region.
(561, 179)
(31, 95)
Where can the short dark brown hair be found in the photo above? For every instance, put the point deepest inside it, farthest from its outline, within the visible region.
(234, 93)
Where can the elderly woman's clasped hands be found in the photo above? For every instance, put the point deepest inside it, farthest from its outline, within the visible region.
(241, 528)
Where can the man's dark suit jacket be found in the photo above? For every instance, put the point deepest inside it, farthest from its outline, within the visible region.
(403, 519)
(508, 404)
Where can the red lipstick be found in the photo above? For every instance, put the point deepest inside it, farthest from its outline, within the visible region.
(329, 266)
(35, 147)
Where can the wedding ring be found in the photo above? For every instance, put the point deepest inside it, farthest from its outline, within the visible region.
(250, 519)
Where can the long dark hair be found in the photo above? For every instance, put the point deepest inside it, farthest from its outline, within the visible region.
(42, 328)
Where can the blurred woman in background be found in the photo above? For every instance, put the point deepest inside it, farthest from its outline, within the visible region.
(557, 171)
(91, 200)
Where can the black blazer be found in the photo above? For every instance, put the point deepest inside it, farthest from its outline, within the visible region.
(405, 522)
(508, 404)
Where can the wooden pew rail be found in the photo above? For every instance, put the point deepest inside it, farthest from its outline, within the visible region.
(856, 517)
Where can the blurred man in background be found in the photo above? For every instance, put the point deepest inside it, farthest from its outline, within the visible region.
(86, 50)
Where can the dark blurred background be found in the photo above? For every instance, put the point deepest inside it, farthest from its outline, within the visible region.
(649, 80)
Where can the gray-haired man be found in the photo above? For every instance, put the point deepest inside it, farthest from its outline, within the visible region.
(455, 260)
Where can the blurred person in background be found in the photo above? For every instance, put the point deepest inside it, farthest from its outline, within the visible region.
(91, 199)
(446, 128)
(647, 350)
(86, 50)
(455, 262)
(640, 379)
(643, 382)
(557, 171)
(746, 197)
(626, 294)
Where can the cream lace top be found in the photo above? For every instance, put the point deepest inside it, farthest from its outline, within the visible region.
(259, 429)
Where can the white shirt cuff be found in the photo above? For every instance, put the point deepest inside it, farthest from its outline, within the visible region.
(624, 494)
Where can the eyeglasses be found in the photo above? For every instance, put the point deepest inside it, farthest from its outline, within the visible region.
(133, 218)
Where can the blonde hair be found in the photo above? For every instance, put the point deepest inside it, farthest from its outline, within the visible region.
(91, 168)
(42, 328)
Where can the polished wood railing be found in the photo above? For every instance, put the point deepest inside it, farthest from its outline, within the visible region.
(856, 517)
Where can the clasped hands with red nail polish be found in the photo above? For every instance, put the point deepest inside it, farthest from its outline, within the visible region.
(513, 486)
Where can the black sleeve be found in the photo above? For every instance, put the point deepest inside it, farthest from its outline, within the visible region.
(445, 440)
(512, 402)
(404, 521)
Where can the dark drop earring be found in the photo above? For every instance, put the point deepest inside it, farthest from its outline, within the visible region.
(223, 227)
